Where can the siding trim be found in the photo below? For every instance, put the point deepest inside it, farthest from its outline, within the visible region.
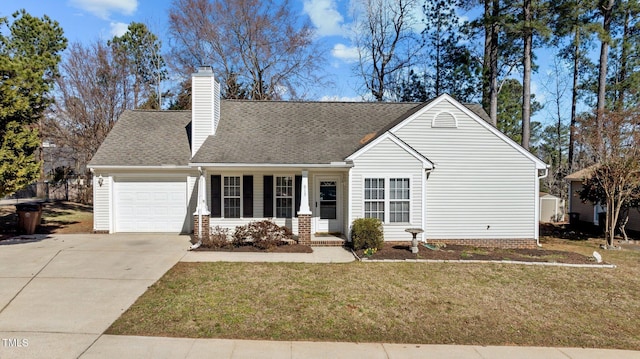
(426, 164)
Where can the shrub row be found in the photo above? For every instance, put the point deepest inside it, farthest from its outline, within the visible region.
(261, 234)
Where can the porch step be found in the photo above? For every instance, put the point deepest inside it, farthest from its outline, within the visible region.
(328, 240)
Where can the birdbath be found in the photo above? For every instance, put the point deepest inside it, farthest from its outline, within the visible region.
(414, 241)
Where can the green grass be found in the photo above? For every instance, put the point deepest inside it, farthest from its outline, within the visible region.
(444, 303)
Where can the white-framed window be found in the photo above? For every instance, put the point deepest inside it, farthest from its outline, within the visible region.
(388, 199)
(374, 195)
(231, 196)
(284, 196)
(399, 200)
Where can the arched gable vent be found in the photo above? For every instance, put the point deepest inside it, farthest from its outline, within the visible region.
(444, 119)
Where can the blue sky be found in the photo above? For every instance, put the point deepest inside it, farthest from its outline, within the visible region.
(90, 20)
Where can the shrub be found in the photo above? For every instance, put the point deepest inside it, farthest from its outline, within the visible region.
(367, 233)
(218, 238)
(263, 234)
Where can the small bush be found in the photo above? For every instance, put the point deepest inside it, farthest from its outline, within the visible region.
(218, 238)
(367, 233)
(263, 234)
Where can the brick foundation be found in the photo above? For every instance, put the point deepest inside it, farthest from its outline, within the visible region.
(493, 243)
(206, 230)
(304, 229)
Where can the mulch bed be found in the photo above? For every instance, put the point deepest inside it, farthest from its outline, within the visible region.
(286, 248)
(402, 250)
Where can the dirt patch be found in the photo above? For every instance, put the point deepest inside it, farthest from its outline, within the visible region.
(402, 250)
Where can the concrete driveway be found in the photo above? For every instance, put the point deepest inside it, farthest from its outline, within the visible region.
(58, 294)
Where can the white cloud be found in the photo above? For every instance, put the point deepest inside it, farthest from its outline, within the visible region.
(324, 16)
(345, 53)
(104, 8)
(118, 28)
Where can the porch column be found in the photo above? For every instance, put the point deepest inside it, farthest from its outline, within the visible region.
(201, 216)
(304, 212)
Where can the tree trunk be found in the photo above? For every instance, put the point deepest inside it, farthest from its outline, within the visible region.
(493, 72)
(486, 61)
(526, 79)
(606, 9)
(623, 62)
(574, 98)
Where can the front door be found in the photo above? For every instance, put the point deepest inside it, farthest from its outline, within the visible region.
(328, 211)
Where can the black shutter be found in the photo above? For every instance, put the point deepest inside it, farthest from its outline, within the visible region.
(298, 186)
(247, 196)
(216, 196)
(268, 196)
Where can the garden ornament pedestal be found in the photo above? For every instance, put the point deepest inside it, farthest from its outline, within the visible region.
(414, 240)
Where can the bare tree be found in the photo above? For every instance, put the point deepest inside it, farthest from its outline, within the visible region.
(386, 41)
(263, 43)
(616, 151)
(90, 96)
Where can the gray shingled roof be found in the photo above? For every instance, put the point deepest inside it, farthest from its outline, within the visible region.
(295, 132)
(254, 132)
(146, 138)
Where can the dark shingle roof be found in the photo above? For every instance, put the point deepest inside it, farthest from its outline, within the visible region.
(146, 138)
(295, 132)
(254, 132)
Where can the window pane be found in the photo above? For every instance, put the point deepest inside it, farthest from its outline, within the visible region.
(232, 208)
(283, 208)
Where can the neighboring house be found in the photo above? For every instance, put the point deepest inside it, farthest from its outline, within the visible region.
(589, 212)
(317, 166)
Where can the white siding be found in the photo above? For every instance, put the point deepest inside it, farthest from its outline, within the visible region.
(481, 187)
(101, 203)
(388, 160)
(205, 108)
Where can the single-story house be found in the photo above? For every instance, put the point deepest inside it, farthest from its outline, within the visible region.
(588, 212)
(316, 167)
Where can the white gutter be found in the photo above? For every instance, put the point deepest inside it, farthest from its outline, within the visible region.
(537, 206)
(272, 165)
(164, 167)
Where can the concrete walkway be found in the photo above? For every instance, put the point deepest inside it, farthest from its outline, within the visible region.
(319, 255)
(58, 294)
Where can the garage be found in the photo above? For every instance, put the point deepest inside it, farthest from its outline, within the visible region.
(150, 206)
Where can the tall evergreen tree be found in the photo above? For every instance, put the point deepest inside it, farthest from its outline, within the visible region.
(573, 26)
(138, 51)
(30, 50)
(451, 67)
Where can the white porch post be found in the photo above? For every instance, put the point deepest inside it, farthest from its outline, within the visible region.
(304, 194)
(304, 213)
(201, 216)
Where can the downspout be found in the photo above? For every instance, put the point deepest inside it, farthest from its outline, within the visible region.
(199, 210)
(537, 205)
(425, 177)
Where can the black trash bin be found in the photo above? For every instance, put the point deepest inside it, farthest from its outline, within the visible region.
(574, 219)
(29, 216)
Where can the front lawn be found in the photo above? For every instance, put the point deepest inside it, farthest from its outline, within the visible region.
(443, 303)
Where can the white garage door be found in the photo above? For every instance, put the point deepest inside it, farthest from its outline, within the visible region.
(150, 206)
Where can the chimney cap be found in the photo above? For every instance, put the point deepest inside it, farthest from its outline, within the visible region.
(205, 68)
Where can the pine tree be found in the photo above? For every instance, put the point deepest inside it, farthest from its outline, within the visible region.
(30, 50)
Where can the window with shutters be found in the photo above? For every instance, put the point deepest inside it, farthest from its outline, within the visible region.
(284, 196)
(231, 196)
